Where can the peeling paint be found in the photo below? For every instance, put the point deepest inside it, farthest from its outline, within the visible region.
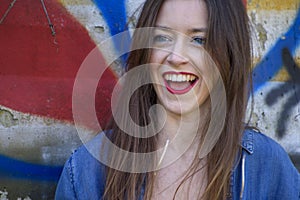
(262, 35)
(7, 119)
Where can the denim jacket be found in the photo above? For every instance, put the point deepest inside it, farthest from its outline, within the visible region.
(264, 172)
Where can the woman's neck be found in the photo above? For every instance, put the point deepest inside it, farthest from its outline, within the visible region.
(180, 136)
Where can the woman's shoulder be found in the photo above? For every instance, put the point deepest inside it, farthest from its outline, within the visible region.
(83, 172)
(90, 148)
(265, 153)
(267, 156)
(259, 144)
(263, 148)
(87, 157)
(268, 167)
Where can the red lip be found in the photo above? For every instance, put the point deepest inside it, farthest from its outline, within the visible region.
(183, 91)
(185, 73)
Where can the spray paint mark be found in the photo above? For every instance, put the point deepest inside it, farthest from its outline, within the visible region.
(291, 87)
(272, 61)
(114, 13)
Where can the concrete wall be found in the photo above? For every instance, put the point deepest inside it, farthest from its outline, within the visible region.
(277, 71)
(38, 67)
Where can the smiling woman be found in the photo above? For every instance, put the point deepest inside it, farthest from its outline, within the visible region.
(189, 71)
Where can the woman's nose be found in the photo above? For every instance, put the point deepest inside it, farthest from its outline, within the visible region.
(177, 55)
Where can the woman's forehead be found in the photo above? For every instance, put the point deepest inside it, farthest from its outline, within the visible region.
(183, 14)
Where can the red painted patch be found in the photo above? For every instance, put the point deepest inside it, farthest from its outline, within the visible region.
(38, 71)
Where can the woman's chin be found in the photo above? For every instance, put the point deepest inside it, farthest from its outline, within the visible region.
(183, 108)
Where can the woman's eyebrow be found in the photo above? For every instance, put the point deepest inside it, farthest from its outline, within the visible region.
(197, 30)
(163, 27)
(192, 30)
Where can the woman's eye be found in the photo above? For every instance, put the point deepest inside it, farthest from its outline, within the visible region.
(161, 39)
(199, 40)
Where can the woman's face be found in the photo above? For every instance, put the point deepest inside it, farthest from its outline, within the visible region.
(178, 65)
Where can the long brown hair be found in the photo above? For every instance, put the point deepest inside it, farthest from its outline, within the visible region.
(228, 43)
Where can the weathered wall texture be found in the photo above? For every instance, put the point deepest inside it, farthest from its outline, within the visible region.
(38, 67)
(277, 71)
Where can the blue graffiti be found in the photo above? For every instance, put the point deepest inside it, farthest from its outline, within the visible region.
(114, 13)
(291, 88)
(272, 61)
(14, 168)
(281, 55)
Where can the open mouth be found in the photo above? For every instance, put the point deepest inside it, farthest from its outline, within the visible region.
(179, 83)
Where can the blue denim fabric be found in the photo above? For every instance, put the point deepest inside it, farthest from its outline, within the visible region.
(264, 166)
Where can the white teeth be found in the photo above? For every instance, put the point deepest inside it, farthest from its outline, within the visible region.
(179, 77)
(174, 77)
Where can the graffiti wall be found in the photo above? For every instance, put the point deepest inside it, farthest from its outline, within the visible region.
(44, 43)
(276, 71)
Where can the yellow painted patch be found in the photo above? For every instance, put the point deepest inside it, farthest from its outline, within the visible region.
(273, 4)
(283, 74)
(75, 2)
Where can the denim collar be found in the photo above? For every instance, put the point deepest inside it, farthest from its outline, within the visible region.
(247, 141)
